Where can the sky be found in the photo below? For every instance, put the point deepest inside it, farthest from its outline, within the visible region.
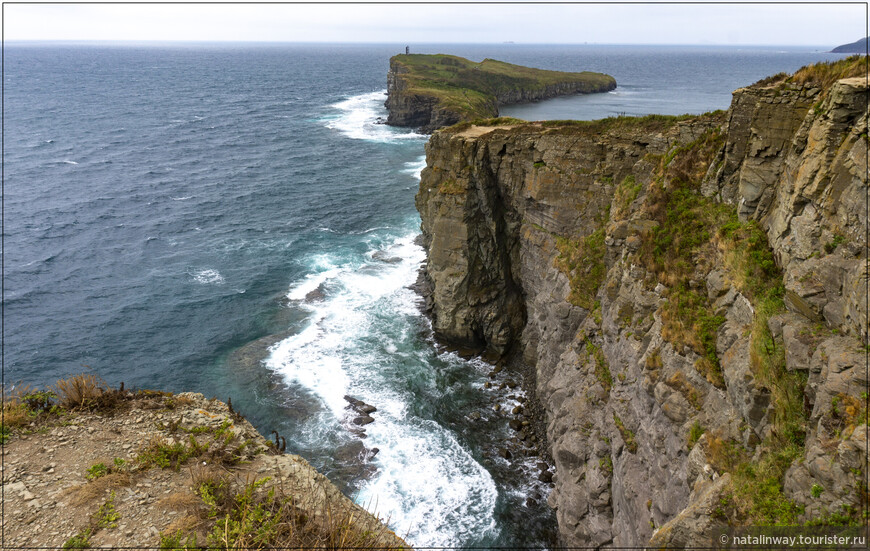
(812, 24)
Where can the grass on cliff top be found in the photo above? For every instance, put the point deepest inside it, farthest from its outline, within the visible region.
(822, 74)
(644, 124)
(227, 513)
(473, 88)
(825, 74)
(489, 76)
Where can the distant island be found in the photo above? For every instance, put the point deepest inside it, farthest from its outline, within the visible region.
(857, 47)
(432, 91)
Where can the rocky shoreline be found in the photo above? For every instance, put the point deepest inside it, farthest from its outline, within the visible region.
(512, 396)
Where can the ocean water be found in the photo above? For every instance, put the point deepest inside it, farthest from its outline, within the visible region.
(232, 219)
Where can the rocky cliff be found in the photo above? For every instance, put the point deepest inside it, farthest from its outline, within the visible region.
(91, 467)
(691, 293)
(433, 91)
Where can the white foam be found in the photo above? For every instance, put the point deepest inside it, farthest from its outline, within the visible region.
(207, 276)
(306, 358)
(358, 116)
(181, 198)
(68, 162)
(415, 168)
(430, 487)
(311, 282)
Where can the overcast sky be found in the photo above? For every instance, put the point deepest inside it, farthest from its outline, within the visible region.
(817, 24)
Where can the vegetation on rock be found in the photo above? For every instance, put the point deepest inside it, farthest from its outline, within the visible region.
(457, 89)
(190, 442)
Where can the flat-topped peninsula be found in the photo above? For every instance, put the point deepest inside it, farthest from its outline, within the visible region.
(432, 91)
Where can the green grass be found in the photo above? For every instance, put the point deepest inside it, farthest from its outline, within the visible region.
(475, 89)
(96, 471)
(178, 541)
(753, 269)
(606, 464)
(79, 541)
(252, 515)
(161, 453)
(695, 433)
(602, 370)
(582, 261)
(680, 249)
(757, 490)
(627, 435)
(626, 192)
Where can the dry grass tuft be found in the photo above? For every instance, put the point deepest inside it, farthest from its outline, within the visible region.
(678, 382)
(826, 73)
(80, 391)
(722, 454)
(180, 501)
(185, 524)
(85, 493)
(234, 514)
(15, 412)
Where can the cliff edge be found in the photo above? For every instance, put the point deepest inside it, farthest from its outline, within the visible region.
(691, 294)
(115, 469)
(433, 91)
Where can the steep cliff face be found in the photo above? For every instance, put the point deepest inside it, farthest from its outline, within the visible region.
(690, 294)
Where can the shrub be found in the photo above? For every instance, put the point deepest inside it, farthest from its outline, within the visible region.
(96, 471)
(695, 433)
(80, 391)
(79, 541)
(161, 453)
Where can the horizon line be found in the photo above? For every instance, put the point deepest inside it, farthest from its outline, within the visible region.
(389, 43)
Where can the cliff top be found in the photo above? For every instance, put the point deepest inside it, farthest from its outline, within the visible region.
(822, 75)
(86, 466)
(645, 125)
(431, 91)
(442, 74)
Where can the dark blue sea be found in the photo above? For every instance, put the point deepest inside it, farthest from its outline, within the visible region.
(230, 219)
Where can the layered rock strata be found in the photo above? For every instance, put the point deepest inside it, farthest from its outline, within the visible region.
(691, 294)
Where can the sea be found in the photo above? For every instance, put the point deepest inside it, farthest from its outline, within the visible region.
(233, 219)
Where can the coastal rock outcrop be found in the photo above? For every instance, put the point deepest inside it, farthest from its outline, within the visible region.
(433, 91)
(688, 291)
(155, 470)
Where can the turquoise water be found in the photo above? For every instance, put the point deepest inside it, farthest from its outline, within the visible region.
(231, 219)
